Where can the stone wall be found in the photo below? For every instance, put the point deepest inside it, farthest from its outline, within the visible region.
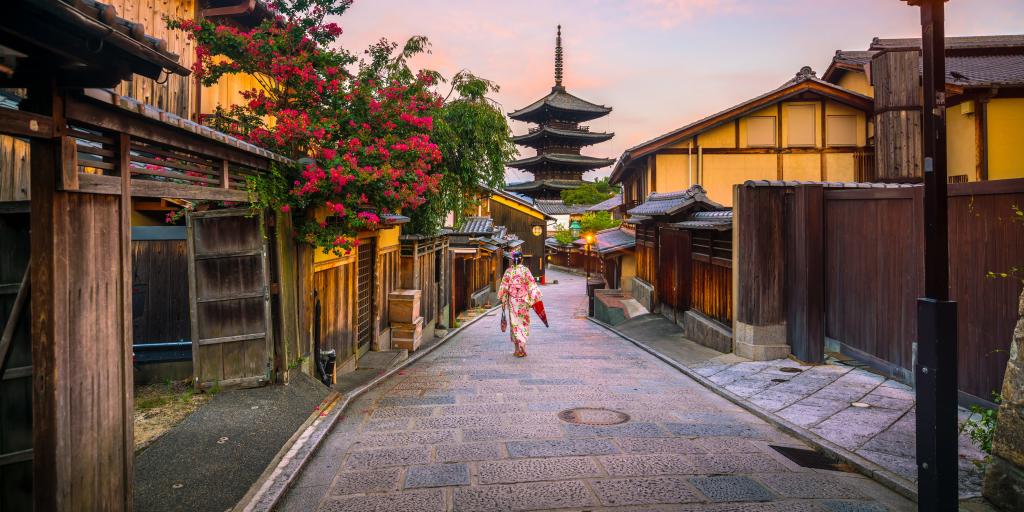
(1004, 480)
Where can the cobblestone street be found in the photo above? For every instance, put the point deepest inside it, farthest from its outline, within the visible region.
(470, 427)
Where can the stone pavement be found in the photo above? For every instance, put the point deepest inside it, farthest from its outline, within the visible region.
(863, 412)
(469, 427)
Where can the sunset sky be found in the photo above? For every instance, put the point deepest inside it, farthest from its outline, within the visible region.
(659, 63)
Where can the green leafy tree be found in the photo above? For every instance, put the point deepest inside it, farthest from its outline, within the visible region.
(590, 193)
(592, 222)
(475, 141)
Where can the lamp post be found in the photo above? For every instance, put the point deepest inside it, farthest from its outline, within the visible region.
(590, 240)
(935, 371)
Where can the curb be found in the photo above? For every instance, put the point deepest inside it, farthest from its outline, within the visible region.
(891, 480)
(275, 481)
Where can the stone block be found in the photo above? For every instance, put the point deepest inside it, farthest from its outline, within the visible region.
(852, 506)
(624, 430)
(437, 475)
(533, 470)
(660, 445)
(361, 482)
(1004, 484)
(388, 457)
(422, 500)
(719, 463)
(511, 432)
(464, 452)
(706, 331)
(647, 465)
(810, 486)
(731, 488)
(532, 496)
(645, 491)
(382, 439)
(561, 448)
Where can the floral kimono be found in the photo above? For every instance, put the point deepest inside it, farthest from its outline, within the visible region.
(518, 292)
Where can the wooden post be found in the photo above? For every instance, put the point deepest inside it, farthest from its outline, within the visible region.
(81, 336)
(805, 273)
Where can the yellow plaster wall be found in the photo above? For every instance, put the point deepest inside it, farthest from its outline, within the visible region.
(673, 172)
(785, 121)
(801, 167)
(388, 237)
(721, 172)
(961, 144)
(856, 81)
(1005, 138)
(833, 108)
(765, 112)
(840, 167)
(719, 137)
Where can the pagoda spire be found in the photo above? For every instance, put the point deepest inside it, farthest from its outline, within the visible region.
(558, 59)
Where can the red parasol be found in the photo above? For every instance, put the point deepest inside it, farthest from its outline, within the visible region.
(538, 307)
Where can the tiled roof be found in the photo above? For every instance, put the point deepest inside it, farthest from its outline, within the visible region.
(102, 20)
(130, 104)
(974, 61)
(953, 43)
(669, 203)
(717, 220)
(557, 207)
(608, 204)
(539, 184)
(611, 240)
(581, 161)
(580, 137)
(560, 100)
(476, 225)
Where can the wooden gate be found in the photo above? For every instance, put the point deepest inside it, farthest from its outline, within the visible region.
(674, 269)
(232, 337)
(15, 360)
(365, 290)
(334, 287)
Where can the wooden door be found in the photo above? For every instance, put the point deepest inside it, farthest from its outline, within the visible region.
(365, 296)
(232, 337)
(15, 360)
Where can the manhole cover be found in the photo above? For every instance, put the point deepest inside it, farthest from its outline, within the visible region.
(593, 416)
(790, 369)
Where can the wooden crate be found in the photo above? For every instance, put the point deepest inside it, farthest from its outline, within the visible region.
(407, 331)
(404, 306)
(406, 344)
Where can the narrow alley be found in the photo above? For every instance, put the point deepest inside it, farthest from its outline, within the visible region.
(470, 427)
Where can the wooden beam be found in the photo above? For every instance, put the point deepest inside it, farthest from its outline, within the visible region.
(127, 359)
(981, 137)
(25, 124)
(12, 320)
(69, 164)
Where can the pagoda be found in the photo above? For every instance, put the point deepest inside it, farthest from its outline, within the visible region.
(558, 137)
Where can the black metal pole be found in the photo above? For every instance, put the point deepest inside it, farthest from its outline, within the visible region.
(935, 371)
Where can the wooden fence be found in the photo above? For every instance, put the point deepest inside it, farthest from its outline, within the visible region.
(860, 289)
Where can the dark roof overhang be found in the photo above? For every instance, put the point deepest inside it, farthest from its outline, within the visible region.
(559, 135)
(567, 160)
(82, 43)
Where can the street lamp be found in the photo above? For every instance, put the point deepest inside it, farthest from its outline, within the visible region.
(589, 238)
(574, 228)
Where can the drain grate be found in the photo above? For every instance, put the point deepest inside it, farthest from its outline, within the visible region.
(593, 416)
(812, 459)
(790, 369)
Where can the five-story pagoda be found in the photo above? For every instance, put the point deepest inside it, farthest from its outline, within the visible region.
(558, 164)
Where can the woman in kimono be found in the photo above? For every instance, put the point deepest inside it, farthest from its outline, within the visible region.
(517, 293)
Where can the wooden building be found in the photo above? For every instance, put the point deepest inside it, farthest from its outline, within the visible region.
(477, 249)
(984, 104)
(806, 129)
(89, 152)
(426, 266)
(525, 221)
(611, 255)
(558, 139)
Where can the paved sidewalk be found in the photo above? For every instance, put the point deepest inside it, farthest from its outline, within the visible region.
(469, 427)
(880, 428)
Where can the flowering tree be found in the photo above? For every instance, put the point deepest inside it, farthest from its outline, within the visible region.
(360, 128)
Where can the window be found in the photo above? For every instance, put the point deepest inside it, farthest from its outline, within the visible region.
(841, 130)
(801, 125)
(761, 131)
